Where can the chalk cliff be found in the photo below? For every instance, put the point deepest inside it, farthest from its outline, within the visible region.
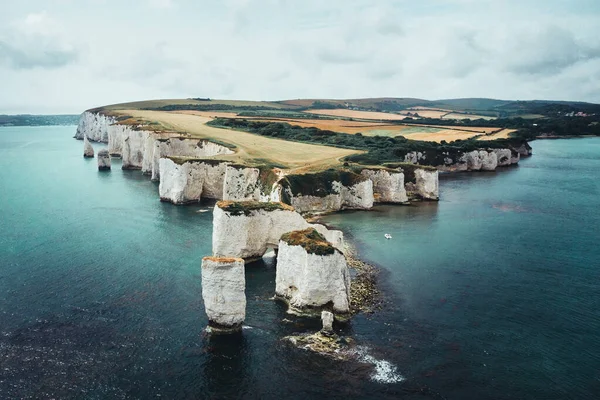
(95, 126)
(327, 191)
(311, 274)
(223, 292)
(247, 183)
(476, 160)
(388, 185)
(88, 150)
(189, 181)
(103, 160)
(248, 229)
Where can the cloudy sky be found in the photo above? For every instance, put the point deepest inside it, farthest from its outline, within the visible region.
(64, 56)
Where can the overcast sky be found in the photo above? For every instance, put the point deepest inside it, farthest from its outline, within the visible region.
(64, 56)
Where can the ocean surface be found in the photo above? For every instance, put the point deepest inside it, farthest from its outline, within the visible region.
(492, 293)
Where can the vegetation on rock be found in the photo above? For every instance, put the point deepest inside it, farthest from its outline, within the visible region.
(310, 240)
(246, 207)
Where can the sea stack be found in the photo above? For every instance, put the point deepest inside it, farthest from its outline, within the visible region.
(223, 292)
(312, 275)
(88, 150)
(327, 320)
(103, 160)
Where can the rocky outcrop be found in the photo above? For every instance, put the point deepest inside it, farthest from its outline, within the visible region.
(181, 147)
(190, 181)
(246, 184)
(311, 274)
(88, 150)
(94, 125)
(388, 185)
(134, 144)
(248, 229)
(103, 160)
(524, 149)
(328, 191)
(223, 292)
(427, 184)
(327, 321)
(476, 160)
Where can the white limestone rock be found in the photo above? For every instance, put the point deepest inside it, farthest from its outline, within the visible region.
(223, 292)
(388, 186)
(248, 234)
(503, 157)
(94, 125)
(335, 237)
(88, 150)
(356, 196)
(327, 321)
(190, 181)
(311, 281)
(427, 184)
(103, 160)
(115, 139)
(134, 142)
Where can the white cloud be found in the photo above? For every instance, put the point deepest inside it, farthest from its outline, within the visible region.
(108, 51)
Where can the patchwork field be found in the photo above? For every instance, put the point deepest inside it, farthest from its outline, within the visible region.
(342, 112)
(250, 148)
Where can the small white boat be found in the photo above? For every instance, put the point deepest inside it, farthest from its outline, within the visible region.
(388, 236)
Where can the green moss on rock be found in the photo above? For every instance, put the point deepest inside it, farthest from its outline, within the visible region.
(246, 207)
(319, 184)
(310, 240)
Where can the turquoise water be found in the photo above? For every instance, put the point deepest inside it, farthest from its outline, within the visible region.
(491, 293)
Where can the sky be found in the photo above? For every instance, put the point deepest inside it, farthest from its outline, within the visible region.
(65, 56)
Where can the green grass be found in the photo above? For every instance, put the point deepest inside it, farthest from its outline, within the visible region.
(310, 240)
(236, 208)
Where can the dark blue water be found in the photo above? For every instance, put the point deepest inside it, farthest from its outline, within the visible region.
(492, 293)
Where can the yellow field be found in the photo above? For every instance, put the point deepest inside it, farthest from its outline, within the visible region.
(465, 116)
(250, 147)
(502, 134)
(342, 112)
(448, 135)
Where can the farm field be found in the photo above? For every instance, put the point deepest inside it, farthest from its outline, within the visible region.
(502, 134)
(466, 116)
(342, 112)
(251, 149)
(430, 134)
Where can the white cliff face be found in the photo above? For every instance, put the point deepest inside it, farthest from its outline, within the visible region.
(223, 292)
(414, 157)
(190, 181)
(388, 187)
(134, 148)
(427, 184)
(310, 280)
(115, 139)
(503, 157)
(244, 184)
(181, 147)
(148, 158)
(88, 150)
(94, 126)
(357, 196)
(103, 160)
(249, 236)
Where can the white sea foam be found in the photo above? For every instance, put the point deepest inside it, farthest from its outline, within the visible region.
(385, 371)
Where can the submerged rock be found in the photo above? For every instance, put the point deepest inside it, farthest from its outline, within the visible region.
(326, 344)
(223, 292)
(88, 150)
(312, 274)
(103, 160)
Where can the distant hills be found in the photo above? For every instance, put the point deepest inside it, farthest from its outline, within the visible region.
(38, 120)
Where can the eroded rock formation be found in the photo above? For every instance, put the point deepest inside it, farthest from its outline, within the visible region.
(248, 229)
(388, 185)
(311, 274)
(187, 182)
(103, 160)
(88, 150)
(94, 125)
(223, 292)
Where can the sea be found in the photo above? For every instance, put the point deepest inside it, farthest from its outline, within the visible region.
(491, 293)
